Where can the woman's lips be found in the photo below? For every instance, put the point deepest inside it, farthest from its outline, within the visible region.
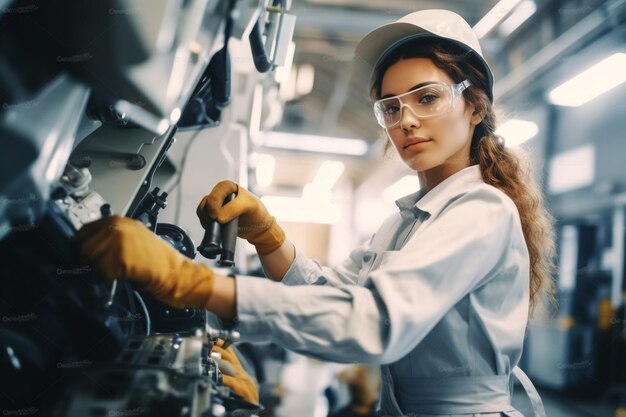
(415, 143)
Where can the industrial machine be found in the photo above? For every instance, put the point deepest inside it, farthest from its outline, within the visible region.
(93, 96)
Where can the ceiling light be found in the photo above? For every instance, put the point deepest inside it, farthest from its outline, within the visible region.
(319, 191)
(293, 209)
(312, 143)
(573, 169)
(591, 83)
(521, 14)
(404, 186)
(515, 131)
(494, 16)
(328, 174)
(315, 194)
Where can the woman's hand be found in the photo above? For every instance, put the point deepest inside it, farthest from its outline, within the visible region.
(120, 247)
(256, 225)
(238, 379)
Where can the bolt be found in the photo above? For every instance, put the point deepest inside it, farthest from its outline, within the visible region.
(135, 162)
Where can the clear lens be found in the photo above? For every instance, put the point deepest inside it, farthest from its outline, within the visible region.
(425, 102)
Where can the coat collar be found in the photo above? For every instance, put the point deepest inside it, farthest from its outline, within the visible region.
(435, 199)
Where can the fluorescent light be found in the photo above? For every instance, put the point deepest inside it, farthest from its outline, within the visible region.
(591, 83)
(404, 186)
(521, 13)
(572, 169)
(315, 205)
(328, 174)
(311, 143)
(368, 213)
(494, 16)
(515, 131)
(316, 194)
(292, 209)
(265, 165)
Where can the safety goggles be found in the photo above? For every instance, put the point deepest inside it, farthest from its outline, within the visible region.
(424, 102)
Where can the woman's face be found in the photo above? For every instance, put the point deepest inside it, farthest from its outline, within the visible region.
(441, 143)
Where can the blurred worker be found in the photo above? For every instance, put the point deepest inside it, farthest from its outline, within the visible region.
(440, 295)
(363, 383)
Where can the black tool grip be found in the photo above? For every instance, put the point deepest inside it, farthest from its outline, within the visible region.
(229, 238)
(210, 245)
(220, 239)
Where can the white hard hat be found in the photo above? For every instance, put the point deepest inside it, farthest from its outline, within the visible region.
(427, 25)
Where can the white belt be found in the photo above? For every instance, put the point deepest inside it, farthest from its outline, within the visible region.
(454, 395)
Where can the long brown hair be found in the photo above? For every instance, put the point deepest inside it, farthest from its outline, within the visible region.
(500, 167)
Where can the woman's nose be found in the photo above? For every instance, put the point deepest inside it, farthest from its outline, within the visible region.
(408, 118)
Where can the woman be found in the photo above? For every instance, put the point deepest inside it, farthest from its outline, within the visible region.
(440, 296)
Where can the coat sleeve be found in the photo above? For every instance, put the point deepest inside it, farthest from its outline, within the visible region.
(305, 271)
(402, 299)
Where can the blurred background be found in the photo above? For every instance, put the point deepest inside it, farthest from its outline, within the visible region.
(560, 66)
(303, 137)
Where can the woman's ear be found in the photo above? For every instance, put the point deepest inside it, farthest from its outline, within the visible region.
(476, 117)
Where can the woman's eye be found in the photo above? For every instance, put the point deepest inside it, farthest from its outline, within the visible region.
(427, 98)
(391, 109)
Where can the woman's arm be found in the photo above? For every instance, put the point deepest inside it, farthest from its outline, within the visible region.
(278, 256)
(403, 298)
(381, 321)
(277, 263)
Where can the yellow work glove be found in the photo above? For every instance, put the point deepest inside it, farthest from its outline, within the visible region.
(241, 383)
(256, 225)
(120, 247)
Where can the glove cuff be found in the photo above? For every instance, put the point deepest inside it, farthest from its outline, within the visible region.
(190, 285)
(268, 240)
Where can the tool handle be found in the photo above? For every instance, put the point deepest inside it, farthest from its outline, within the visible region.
(220, 239)
(210, 245)
(229, 238)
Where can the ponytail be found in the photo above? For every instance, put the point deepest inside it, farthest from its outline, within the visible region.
(510, 172)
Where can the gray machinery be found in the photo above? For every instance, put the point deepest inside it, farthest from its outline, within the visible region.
(93, 93)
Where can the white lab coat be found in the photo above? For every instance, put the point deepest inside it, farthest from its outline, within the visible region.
(438, 296)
